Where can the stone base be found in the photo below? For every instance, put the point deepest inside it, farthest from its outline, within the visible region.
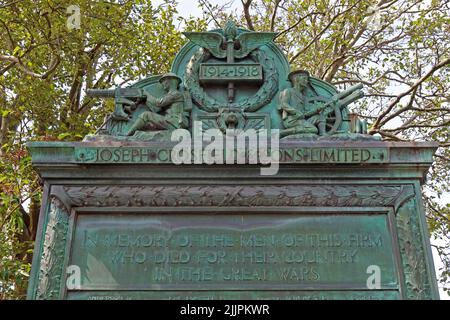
(138, 226)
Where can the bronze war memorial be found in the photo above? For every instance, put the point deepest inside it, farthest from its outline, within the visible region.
(232, 177)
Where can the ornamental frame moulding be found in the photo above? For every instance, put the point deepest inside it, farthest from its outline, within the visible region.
(398, 201)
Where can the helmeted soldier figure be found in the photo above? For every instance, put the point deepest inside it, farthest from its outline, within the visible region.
(297, 115)
(167, 112)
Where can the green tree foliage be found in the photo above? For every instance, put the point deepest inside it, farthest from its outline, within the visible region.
(399, 50)
(45, 66)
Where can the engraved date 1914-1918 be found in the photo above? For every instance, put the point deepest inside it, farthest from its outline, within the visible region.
(231, 310)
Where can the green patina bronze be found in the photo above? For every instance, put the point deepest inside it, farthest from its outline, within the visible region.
(161, 154)
(220, 73)
(139, 226)
(305, 113)
(226, 252)
(232, 71)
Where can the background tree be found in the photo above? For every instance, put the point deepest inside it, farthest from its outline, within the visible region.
(398, 49)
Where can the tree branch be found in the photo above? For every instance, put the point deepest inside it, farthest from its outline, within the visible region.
(317, 37)
(54, 62)
(211, 13)
(274, 15)
(248, 18)
(9, 4)
(296, 24)
(379, 122)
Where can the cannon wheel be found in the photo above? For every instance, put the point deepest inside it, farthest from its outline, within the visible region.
(334, 118)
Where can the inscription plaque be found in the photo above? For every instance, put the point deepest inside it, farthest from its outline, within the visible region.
(186, 256)
(284, 155)
(223, 72)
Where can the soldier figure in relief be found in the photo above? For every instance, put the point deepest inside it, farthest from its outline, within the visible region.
(167, 112)
(298, 117)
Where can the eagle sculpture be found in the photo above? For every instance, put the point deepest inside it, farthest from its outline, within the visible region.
(244, 43)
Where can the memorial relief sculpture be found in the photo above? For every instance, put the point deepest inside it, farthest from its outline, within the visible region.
(340, 217)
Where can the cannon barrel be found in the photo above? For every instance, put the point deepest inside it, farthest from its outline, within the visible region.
(130, 93)
(345, 97)
(349, 91)
(351, 98)
(101, 92)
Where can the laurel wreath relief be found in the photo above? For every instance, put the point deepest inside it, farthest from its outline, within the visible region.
(250, 104)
